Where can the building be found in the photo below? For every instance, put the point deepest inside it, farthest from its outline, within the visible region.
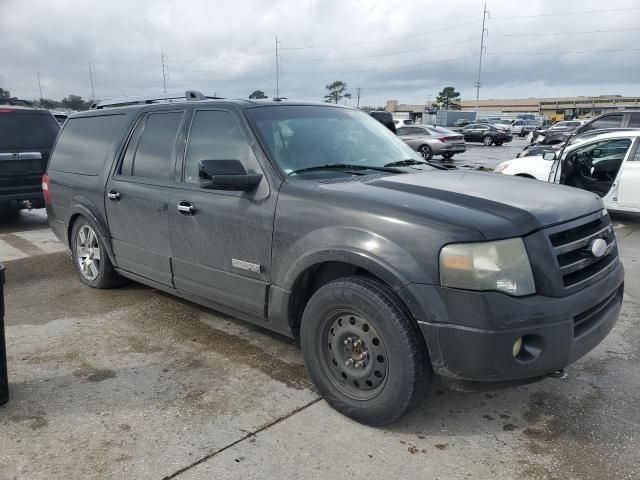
(570, 107)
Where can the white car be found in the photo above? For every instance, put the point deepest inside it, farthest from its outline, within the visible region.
(607, 164)
(402, 122)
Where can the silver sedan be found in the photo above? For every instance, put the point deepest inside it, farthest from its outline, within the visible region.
(430, 140)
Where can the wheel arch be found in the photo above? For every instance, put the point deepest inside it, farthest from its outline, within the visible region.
(80, 209)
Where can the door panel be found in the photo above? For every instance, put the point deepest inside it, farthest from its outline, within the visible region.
(629, 182)
(221, 249)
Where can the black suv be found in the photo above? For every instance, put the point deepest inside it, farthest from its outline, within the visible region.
(26, 138)
(315, 221)
(487, 134)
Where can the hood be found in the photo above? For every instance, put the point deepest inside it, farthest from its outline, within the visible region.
(494, 205)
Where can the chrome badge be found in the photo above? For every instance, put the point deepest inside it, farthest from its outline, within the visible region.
(599, 247)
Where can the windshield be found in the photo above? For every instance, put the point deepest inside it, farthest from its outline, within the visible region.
(26, 129)
(299, 137)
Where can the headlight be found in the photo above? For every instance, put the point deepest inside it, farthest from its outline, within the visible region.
(501, 167)
(502, 265)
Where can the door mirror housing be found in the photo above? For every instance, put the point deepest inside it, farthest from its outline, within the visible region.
(549, 155)
(226, 175)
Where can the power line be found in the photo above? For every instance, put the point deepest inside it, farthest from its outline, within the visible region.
(358, 90)
(40, 86)
(362, 57)
(585, 12)
(397, 67)
(93, 93)
(614, 30)
(252, 67)
(556, 52)
(389, 39)
(164, 72)
(277, 71)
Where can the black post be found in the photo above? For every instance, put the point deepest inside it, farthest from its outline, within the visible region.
(4, 380)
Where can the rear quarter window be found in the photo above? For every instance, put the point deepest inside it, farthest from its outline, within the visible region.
(24, 129)
(85, 143)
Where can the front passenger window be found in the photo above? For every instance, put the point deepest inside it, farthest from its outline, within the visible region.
(216, 135)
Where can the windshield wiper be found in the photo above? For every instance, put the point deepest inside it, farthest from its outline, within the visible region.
(345, 166)
(411, 161)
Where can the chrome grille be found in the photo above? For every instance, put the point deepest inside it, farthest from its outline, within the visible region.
(571, 244)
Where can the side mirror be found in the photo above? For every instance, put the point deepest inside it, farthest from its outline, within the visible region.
(226, 175)
(549, 155)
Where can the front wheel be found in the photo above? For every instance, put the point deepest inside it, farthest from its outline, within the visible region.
(447, 156)
(487, 140)
(426, 152)
(498, 144)
(363, 351)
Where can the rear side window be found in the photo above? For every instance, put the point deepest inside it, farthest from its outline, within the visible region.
(19, 129)
(150, 150)
(610, 121)
(85, 143)
(634, 121)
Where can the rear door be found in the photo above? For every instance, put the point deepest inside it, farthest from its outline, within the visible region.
(629, 181)
(221, 245)
(138, 192)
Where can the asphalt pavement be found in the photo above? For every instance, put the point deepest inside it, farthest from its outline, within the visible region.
(134, 383)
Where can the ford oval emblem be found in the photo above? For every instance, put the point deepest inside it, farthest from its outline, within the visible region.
(599, 247)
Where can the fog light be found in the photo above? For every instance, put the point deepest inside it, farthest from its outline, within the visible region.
(517, 347)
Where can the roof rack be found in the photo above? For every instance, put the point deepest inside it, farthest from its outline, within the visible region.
(189, 95)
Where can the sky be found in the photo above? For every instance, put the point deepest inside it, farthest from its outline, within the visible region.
(406, 50)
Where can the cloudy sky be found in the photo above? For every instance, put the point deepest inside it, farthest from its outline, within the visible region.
(392, 49)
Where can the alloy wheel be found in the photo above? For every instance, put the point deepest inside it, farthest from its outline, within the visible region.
(88, 252)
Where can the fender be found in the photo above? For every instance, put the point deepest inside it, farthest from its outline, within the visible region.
(82, 206)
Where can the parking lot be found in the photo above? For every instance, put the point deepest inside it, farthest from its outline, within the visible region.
(134, 383)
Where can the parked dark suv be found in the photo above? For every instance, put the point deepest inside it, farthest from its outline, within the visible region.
(26, 138)
(315, 221)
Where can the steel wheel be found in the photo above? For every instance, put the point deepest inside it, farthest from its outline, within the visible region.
(354, 355)
(88, 254)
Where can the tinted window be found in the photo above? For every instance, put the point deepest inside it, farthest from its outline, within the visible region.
(155, 147)
(635, 120)
(20, 129)
(403, 131)
(610, 121)
(417, 131)
(85, 143)
(216, 135)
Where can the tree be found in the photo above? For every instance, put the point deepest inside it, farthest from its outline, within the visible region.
(337, 91)
(48, 103)
(4, 93)
(258, 95)
(75, 102)
(448, 99)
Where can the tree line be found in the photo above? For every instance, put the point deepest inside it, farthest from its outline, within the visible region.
(72, 102)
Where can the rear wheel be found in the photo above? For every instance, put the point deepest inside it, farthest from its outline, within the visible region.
(364, 352)
(487, 140)
(90, 257)
(426, 152)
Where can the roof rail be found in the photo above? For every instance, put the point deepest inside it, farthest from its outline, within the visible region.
(189, 95)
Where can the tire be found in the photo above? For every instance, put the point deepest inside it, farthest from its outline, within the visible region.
(90, 256)
(487, 140)
(396, 371)
(447, 156)
(498, 144)
(426, 152)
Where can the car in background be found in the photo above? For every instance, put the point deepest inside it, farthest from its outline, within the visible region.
(462, 122)
(26, 138)
(502, 124)
(402, 122)
(487, 134)
(60, 117)
(523, 127)
(606, 163)
(430, 140)
(385, 118)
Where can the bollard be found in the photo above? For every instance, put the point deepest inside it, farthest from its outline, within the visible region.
(4, 380)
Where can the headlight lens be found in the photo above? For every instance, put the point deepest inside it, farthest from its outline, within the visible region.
(502, 265)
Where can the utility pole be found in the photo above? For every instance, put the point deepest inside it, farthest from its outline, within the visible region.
(482, 49)
(358, 90)
(40, 87)
(164, 71)
(93, 93)
(277, 70)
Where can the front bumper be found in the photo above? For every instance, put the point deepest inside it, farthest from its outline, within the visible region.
(470, 335)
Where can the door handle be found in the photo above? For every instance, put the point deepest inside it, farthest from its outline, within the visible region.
(113, 195)
(186, 208)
